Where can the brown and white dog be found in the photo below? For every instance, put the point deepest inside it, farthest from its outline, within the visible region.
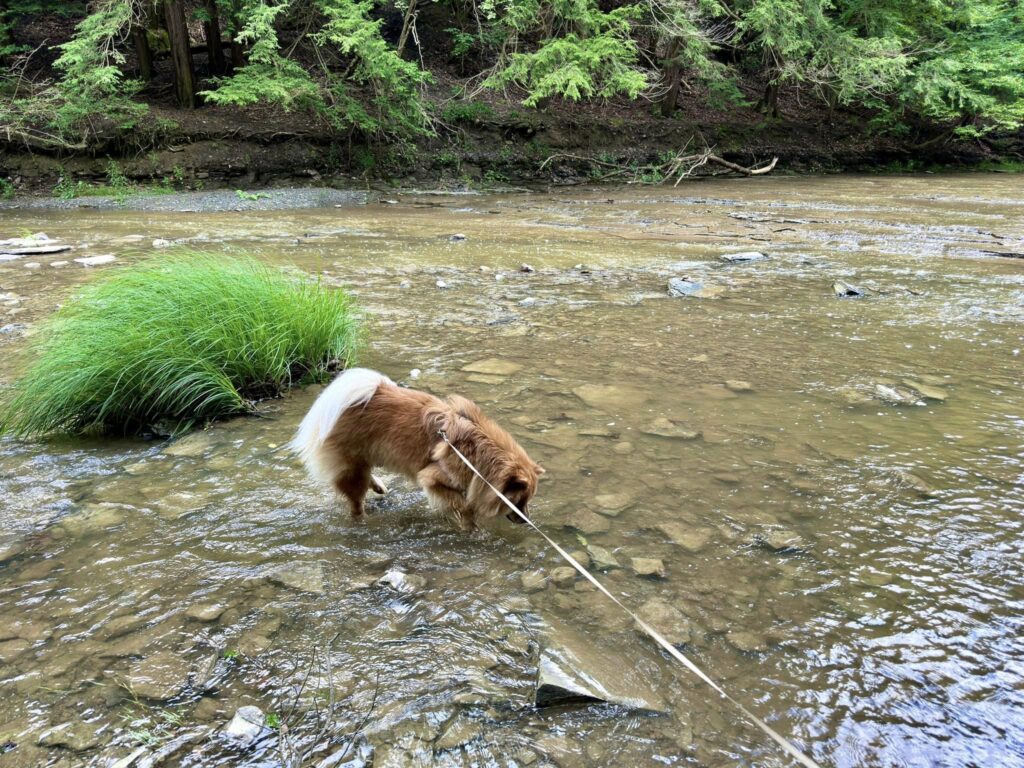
(364, 420)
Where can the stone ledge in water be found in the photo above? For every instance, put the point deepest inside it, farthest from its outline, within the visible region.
(493, 366)
(76, 736)
(781, 541)
(159, 677)
(689, 538)
(304, 577)
(666, 619)
(743, 257)
(665, 427)
(684, 287)
(573, 669)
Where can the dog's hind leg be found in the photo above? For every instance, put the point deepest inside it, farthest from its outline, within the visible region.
(353, 483)
(377, 485)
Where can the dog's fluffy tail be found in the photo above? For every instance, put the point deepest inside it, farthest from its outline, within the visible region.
(353, 387)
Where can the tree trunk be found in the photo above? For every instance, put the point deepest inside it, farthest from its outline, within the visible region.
(143, 53)
(214, 46)
(769, 103)
(181, 53)
(668, 103)
(410, 15)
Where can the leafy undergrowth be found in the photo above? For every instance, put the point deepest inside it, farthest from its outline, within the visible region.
(175, 342)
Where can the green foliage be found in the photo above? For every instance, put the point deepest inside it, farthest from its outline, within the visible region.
(273, 720)
(466, 112)
(597, 61)
(177, 341)
(6, 189)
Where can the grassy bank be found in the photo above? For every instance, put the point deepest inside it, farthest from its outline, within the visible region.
(175, 342)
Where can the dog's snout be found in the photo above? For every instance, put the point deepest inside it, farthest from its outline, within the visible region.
(517, 519)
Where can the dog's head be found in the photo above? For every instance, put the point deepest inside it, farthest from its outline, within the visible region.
(497, 456)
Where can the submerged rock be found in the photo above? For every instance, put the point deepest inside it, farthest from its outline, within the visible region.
(601, 558)
(534, 581)
(927, 390)
(95, 517)
(685, 287)
(740, 387)
(573, 669)
(248, 724)
(648, 567)
(782, 541)
(689, 538)
(667, 619)
(563, 576)
(76, 736)
(664, 427)
(748, 642)
(493, 366)
(400, 581)
(611, 504)
(743, 257)
(904, 479)
(305, 577)
(159, 677)
(461, 730)
(610, 397)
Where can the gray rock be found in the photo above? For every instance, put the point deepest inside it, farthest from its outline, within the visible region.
(845, 290)
(493, 366)
(573, 668)
(610, 397)
(586, 522)
(927, 390)
(190, 446)
(95, 261)
(664, 427)
(743, 257)
(161, 243)
(76, 736)
(648, 567)
(405, 284)
(667, 619)
(461, 730)
(206, 611)
(534, 581)
(903, 479)
(248, 724)
(13, 329)
(601, 558)
(563, 576)
(458, 237)
(689, 538)
(685, 287)
(305, 577)
(441, 284)
(95, 517)
(159, 677)
(10, 547)
(748, 642)
(782, 541)
(611, 504)
(735, 385)
(526, 268)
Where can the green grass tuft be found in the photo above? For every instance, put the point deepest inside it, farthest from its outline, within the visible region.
(175, 342)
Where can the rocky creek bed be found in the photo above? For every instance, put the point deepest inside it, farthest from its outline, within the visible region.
(816, 495)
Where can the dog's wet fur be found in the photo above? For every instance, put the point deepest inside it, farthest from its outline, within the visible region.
(364, 420)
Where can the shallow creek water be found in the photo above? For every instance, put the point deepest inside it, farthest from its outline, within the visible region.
(848, 566)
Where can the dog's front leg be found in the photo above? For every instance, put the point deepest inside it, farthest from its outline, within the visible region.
(434, 481)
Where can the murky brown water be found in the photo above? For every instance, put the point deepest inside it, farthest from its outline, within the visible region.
(889, 634)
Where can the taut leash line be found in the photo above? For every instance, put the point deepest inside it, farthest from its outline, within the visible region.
(654, 634)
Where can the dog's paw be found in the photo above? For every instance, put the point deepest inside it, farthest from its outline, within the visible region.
(378, 486)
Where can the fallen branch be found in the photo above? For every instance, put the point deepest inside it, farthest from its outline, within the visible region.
(679, 167)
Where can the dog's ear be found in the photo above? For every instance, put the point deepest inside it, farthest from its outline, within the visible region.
(514, 484)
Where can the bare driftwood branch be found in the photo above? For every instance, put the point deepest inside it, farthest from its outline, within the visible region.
(679, 167)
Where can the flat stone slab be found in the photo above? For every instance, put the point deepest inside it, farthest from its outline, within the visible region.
(687, 536)
(493, 366)
(573, 669)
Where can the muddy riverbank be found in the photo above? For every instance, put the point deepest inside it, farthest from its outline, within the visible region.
(832, 487)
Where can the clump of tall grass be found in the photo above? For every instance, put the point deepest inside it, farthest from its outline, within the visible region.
(175, 342)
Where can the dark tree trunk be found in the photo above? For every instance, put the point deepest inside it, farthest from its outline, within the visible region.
(407, 22)
(214, 46)
(668, 104)
(143, 53)
(181, 53)
(769, 103)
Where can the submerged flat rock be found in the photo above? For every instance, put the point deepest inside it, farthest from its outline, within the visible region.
(573, 669)
(493, 366)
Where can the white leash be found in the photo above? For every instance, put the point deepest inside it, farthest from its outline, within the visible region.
(654, 634)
